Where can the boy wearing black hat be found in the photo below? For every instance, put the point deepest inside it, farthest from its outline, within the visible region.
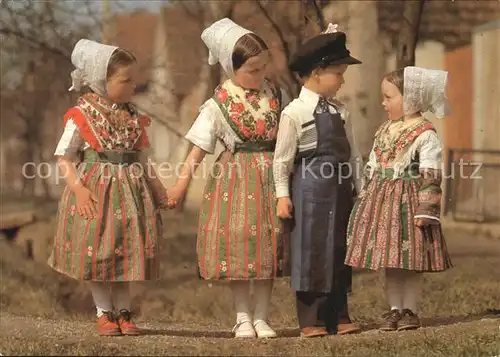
(315, 146)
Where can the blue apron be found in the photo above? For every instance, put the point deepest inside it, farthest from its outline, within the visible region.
(322, 202)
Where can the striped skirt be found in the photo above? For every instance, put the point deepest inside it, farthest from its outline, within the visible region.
(121, 243)
(382, 234)
(240, 236)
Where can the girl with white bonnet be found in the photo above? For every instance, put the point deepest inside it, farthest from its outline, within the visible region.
(108, 225)
(395, 223)
(239, 235)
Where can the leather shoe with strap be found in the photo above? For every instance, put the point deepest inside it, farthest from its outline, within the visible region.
(127, 326)
(263, 329)
(409, 321)
(107, 326)
(244, 329)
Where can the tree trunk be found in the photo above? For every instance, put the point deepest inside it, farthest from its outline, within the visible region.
(409, 30)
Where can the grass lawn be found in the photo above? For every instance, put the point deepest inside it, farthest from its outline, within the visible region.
(43, 313)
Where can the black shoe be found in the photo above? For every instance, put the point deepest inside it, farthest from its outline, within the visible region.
(409, 321)
(390, 320)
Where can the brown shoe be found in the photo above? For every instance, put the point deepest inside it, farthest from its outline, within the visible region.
(127, 326)
(107, 326)
(409, 321)
(309, 332)
(348, 329)
(390, 320)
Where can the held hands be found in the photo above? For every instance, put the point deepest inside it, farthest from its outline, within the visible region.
(421, 222)
(85, 202)
(284, 208)
(175, 195)
(163, 199)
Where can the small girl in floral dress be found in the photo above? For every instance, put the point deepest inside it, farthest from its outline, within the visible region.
(108, 226)
(395, 223)
(239, 235)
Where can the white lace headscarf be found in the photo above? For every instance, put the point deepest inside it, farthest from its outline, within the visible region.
(425, 90)
(220, 38)
(91, 61)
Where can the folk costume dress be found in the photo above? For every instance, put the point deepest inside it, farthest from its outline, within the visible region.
(404, 183)
(239, 235)
(121, 243)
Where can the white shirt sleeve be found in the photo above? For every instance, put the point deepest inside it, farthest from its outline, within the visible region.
(71, 141)
(430, 151)
(284, 155)
(202, 132)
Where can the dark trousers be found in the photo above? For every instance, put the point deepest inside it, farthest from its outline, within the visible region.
(321, 309)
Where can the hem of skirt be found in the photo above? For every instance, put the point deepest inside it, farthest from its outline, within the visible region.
(240, 278)
(100, 280)
(402, 268)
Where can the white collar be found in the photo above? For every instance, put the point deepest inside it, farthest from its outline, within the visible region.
(311, 99)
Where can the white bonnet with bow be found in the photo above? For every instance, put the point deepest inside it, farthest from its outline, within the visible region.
(220, 38)
(425, 90)
(91, 61)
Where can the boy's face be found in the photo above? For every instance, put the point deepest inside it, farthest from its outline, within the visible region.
(330, 79)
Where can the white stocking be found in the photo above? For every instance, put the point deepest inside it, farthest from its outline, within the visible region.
(121, 295)
(262, 290)
(102, 296)
(412, 290)
(394, 287)
(241, 297)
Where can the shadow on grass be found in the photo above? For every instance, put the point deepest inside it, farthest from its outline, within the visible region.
(211, 334)
(295, 332)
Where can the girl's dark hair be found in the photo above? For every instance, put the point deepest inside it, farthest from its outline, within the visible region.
(247, 46)
(397, 78)
(119, 58)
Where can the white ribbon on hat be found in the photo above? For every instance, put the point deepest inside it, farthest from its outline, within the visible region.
(91, 61)
(425, 90)
(220, 39)
(332, 28)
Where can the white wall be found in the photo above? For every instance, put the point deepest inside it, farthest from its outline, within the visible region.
(486, 52)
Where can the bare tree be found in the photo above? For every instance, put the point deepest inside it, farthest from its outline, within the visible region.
(320, 18)
(39, 36)
(37, 39)
(408, 37)
(34, 45)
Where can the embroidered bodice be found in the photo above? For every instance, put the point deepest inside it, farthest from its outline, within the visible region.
(234, 115)
(417, 141)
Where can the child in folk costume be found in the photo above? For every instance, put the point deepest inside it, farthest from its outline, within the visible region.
(395, 222)
(239, 235)
(108, 225)
(316, 145)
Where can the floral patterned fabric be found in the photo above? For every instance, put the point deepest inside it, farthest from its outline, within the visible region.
(121, 243)
(239, 236)
(253, 115)
(388, 150)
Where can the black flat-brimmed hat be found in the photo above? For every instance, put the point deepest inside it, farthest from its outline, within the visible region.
(321, 51)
